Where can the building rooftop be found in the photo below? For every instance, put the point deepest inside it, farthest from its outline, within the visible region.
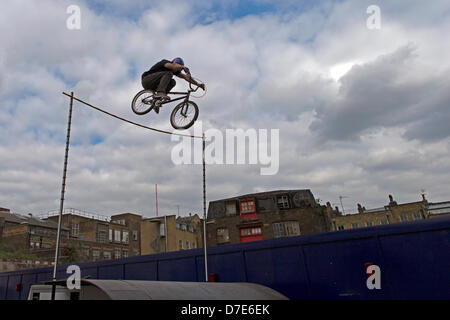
(76, 212)
(267, 193)
(30, 220)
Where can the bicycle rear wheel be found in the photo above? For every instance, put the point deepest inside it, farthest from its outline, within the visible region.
(184, 115)
(142, 102)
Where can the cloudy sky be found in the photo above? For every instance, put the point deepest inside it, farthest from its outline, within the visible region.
(361, 112)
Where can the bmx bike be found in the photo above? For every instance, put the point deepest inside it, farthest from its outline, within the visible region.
(183, 115)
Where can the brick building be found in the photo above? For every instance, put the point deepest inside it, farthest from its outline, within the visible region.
(264, 215)
(96, 237)
(390, 213)
(30, 234)
(171, 233)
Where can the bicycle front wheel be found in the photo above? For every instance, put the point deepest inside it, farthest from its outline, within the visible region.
(184, 115)
(142, 102)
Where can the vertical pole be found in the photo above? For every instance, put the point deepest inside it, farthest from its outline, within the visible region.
(204, 208)
(165, 227)
(156, 195)
(63, 187)
(342, 206)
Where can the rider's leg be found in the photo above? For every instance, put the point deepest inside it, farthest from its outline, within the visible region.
(172, 84)
(166, 77)
(159, 81)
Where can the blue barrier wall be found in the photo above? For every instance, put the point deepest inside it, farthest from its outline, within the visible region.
(414, 259)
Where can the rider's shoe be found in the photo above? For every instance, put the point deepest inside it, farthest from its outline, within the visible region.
(162, 96)
(156, 108)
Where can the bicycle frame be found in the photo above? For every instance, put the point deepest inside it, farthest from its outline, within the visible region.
(185, 96)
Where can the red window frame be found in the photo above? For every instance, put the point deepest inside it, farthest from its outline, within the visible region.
(247, 209)
(253, 233)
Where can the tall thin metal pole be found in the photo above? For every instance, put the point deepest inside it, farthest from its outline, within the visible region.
(156, 195)
(204, 208)
(165, 227)
(63, 188)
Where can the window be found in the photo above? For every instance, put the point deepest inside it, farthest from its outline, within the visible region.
(102, 236)
(122, 222)
(384, 221)
(286, 229)
(230, 208)
(282, 202)
(180, 244)
(117, 254)
(354, 225)
(403, 217)
(117, 235)
(222, 235)
(191, 228)
(107, 255)
(183, 227)
(247, 206)
(247, 209)
(194, 245)
(187, 245)
(75, 229)
(340, 227)
(417, 216)
(135, 235)
(125, 254)
(95, 255)
(85, 251)
(369, 224)
(251, 234)
(251, 231)
(136, 253)
(110, 235)
(125, 237)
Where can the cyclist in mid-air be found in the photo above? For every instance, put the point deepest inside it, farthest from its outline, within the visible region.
(159, 78)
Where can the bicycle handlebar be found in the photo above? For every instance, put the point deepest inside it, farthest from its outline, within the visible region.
(191, 89)
(190, 85)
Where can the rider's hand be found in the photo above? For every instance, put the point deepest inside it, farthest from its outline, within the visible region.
(202, 85)
(186, 69)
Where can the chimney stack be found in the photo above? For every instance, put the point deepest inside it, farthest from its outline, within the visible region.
(360, 208)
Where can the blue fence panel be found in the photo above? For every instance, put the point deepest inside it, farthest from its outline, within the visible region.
(90, 272)
(337, 269)
(418, 264)
(44, 276)
(177, 269)
(281, 269)
(113, 271)
(12, 293)
(228, 267)
(3, 286)
(28, 279)
(141, 270)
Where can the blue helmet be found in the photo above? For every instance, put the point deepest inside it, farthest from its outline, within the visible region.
(178, 60)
